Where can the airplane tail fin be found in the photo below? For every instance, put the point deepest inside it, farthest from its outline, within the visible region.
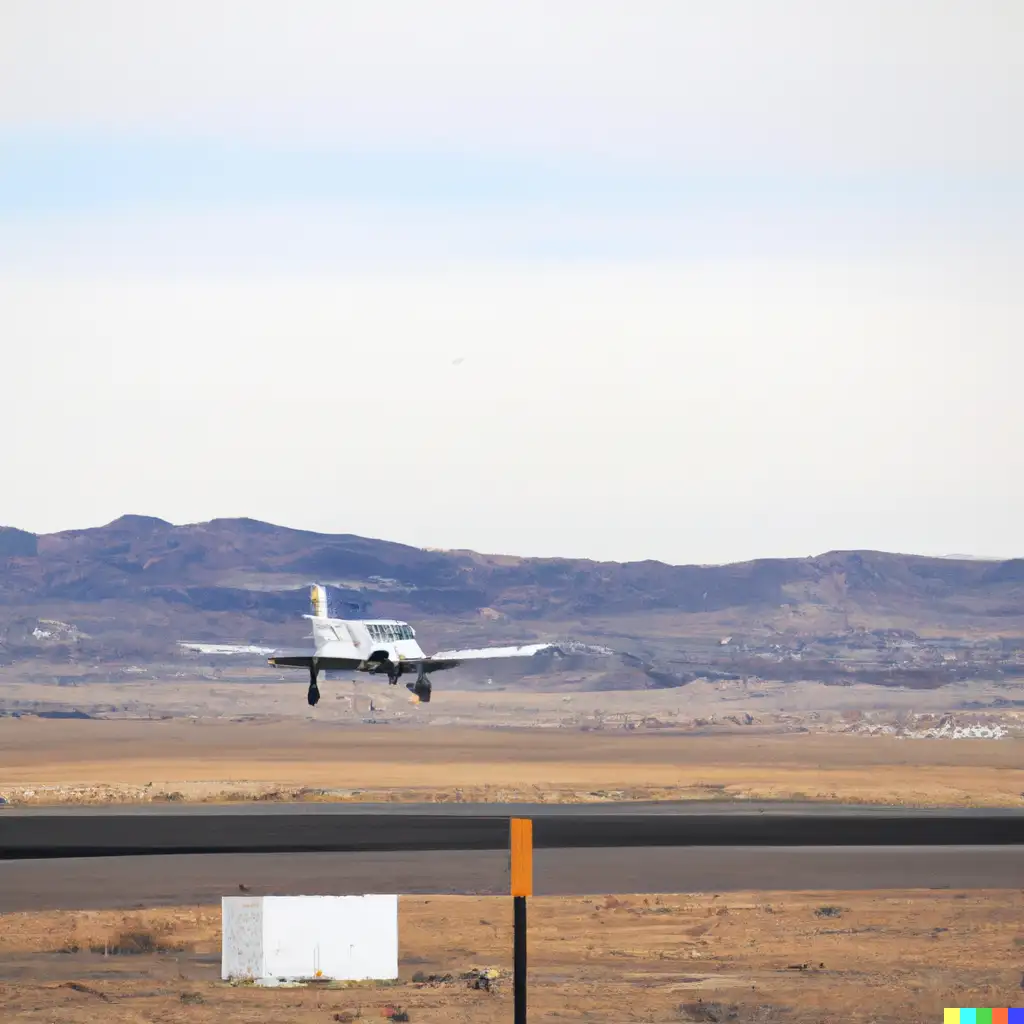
(318, 601)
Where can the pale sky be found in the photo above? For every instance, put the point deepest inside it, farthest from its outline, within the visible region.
(694, 281)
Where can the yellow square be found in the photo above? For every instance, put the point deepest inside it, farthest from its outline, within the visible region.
(951, 1015)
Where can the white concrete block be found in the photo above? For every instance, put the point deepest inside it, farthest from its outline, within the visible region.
(271, 939)
(241, 944)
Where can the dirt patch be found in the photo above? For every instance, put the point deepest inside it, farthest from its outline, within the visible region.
(743, 957)
(60, 762)
(112, 932)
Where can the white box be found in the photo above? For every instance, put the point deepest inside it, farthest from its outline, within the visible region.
(274, 939)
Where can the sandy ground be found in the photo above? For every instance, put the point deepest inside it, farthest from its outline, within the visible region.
(45, 760)
(745, 957)
(763, 957)
(752, 704)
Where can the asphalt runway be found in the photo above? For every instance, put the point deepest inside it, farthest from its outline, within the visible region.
(334, 828)
(205, 852)
(191, 879)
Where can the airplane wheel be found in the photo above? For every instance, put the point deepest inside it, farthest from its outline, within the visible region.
(313, 696)
(422, 691)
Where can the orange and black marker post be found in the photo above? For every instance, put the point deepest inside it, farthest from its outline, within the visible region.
(521, 874)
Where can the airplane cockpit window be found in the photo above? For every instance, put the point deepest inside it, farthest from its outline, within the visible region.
(390, 631)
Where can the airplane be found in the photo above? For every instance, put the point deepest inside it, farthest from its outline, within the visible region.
(378, 646)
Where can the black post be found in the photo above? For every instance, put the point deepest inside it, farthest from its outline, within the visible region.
(519, 959)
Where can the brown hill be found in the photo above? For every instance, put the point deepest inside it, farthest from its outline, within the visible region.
(131, 589)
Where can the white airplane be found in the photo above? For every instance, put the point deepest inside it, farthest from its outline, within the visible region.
(373, 645)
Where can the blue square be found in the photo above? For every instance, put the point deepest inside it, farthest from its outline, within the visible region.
(1015, 1016)
(968, 1015)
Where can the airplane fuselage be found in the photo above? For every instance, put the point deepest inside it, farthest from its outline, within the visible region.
(372, 642)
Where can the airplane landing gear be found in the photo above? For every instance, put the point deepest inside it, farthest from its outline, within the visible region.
(313, 694)
(394, 672)
(421, 688)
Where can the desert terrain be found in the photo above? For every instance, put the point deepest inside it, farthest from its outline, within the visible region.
(745, 957)
(757, 957)
(860, 677)
(71, 761)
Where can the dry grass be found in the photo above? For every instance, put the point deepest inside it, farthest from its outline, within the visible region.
(101, 761)
(764, 957)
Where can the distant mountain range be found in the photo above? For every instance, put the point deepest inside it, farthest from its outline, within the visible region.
(128, 591)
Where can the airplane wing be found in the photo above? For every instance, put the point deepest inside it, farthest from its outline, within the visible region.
(274, 656)
(449, 659)
(303, 659)
(441, 660)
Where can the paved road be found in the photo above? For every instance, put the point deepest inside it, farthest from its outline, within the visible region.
(312, 828)
(581, 849)
(126, 882)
